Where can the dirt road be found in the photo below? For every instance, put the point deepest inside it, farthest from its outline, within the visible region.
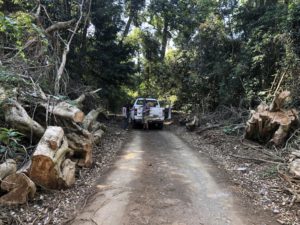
(158, 179)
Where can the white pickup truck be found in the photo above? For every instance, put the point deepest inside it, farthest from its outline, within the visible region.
(156, 113)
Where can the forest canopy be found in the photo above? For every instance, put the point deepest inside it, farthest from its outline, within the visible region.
(199, 54)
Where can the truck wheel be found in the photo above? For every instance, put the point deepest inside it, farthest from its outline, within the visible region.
(133, 124)
(160, 126)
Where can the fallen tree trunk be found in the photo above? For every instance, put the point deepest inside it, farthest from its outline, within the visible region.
(18, 119)
(271, 124)
(65, 110)
(90, 118)
(19, 187)
(47, 167)
(7, 168)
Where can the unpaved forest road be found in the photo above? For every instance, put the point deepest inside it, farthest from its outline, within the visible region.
(159, 180)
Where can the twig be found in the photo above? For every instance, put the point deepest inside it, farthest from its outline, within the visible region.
(255, 159)
(288, 140)
(208, 128)
(261, 149)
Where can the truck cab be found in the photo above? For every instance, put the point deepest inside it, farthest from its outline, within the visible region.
(156, 113)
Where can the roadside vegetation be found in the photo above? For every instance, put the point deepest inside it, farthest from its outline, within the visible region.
(66, 63)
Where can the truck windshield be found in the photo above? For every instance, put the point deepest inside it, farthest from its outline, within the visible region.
(153, 102)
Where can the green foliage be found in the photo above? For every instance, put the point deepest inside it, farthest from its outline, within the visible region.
(203, 53)
(10, 137)
(10, 142)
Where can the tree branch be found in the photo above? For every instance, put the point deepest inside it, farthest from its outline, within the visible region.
(66, 51)
(59, 26)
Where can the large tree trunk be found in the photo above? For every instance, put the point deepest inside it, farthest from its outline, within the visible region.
(18, 119)
(7, 168)
(48, 168)
(271, 124)
(90, 118)
(66, 111)
(19, 187)
(127, 27)
(164, 41)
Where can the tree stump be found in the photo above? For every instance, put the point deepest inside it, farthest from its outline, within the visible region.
(19, 187)
(271, 124)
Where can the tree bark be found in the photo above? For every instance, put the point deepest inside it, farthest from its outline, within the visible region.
(127, 27)
(164, 41)
(82, 146)
(18, 119)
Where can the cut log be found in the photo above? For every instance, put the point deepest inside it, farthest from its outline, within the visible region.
(80, 141)
(82, 145)
(267, 125)
(7, 168)
(19, 187)
(90, 118)
(66, 111)
(18, 119)
(47, 163)
(97, 136)
(55, 136)
(68, 172)
(193, 124)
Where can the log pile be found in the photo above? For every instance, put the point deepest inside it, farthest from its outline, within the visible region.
(64, 139)
(272, 124)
